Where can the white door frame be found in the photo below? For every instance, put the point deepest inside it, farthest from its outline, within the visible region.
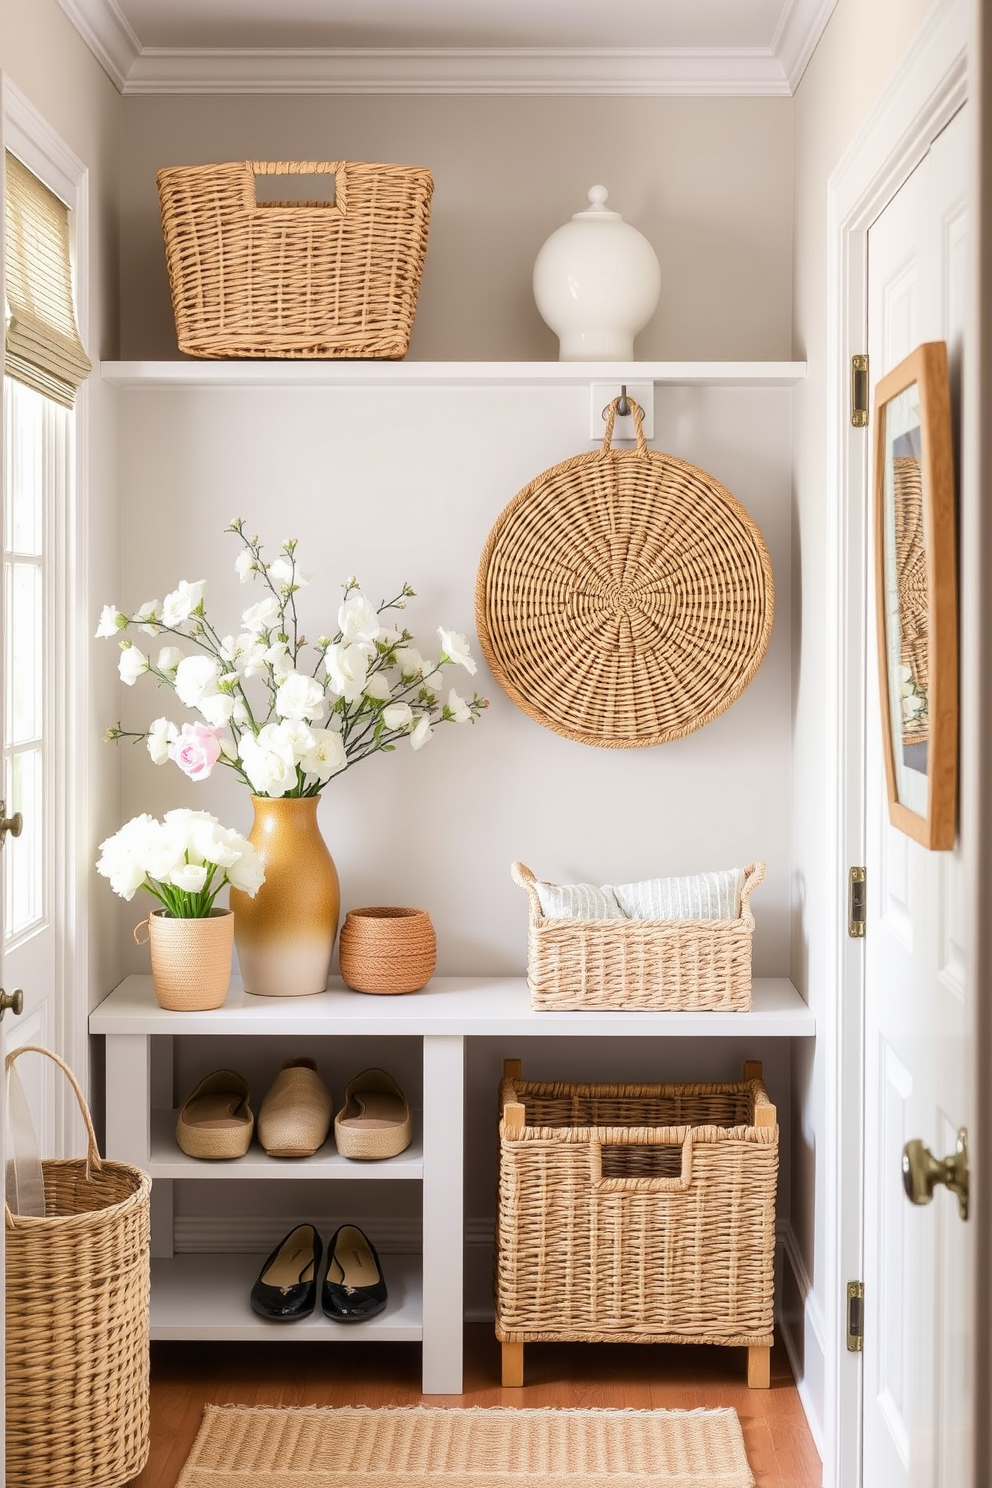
(927, 90)
(24, 131)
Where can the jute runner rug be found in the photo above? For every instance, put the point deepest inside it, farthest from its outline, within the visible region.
(418, 1447)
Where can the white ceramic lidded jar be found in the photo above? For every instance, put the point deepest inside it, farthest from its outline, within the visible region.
(596, 284)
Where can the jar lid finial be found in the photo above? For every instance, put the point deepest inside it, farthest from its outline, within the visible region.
(597, 210)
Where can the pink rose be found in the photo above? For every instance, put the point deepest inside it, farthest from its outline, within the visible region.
(197, 749)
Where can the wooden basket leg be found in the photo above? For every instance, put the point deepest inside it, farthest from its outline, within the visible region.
(513, 1364)
(759, 1368)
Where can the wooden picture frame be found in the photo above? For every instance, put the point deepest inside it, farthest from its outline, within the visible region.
(916, 595)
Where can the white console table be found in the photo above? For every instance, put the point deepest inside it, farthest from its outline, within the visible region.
(206, 1296)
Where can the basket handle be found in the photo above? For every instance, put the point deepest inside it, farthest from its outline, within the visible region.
(94, 1163)
(753, 875)
(677, 1136)
(141, 925)
(336, 168)
(638, 415)
(525, 878)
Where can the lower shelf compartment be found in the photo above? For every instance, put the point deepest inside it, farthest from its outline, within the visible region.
(206, 1297)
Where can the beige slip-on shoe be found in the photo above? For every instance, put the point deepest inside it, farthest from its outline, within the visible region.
(374, 1121)
(296, 1114)
(216, 1120)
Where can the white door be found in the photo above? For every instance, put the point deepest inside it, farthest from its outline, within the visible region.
(918, 1261)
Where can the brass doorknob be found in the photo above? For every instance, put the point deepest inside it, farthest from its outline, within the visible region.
(13, 1000)
(12, 824)
(921, 1172)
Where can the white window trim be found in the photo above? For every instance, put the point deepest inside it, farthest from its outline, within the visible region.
(28, 135)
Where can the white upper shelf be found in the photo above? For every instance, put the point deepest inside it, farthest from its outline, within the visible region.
(372, 373)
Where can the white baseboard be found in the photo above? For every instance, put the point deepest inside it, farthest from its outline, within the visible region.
(807, 1354)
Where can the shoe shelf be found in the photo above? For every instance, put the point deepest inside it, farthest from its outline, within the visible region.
(205, 1296)
(166, 1160)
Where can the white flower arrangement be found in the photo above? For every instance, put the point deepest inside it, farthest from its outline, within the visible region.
(284, 721)
(184, 860)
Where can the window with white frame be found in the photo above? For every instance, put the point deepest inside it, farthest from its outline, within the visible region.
(44, 364)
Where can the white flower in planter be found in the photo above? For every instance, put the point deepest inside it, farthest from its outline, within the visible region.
(184, 861)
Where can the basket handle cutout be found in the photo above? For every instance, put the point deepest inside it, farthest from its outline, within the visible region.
(298, 187)
(620, 1165)
(94, 1162)
(611, 417)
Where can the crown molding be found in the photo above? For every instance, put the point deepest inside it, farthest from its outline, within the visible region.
(772, 71)
(803, 23)
(107, 34)
(632, 71)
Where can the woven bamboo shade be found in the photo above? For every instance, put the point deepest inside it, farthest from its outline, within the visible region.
(42, 345)
(624, 598)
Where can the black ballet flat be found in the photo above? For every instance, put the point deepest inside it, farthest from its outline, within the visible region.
(354, 1288)
(287, 1284)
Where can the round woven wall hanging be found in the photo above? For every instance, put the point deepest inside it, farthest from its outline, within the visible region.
(624, 598)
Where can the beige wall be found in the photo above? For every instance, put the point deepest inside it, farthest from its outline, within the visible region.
(860, 50)
(707, 180)
(44, 57)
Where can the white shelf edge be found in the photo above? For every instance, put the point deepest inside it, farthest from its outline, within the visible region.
(205, 1297)
(167, 1160)
(381, 374)
(473, 1007)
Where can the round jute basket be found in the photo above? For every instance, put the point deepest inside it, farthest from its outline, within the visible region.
(387, 949)
(624, 597)
(191, 959)
(77, 1361)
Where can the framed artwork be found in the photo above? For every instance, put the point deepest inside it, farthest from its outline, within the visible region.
(916, 595)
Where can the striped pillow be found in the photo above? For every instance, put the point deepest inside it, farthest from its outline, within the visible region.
(578, 902)
(698, 896)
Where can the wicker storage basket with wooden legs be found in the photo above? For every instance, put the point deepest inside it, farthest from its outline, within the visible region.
(636, 1214)
(321, 278)
(77, 1322)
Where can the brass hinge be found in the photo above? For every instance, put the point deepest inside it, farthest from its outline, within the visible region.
(855, 1316)
(859, 392)
(856, 890)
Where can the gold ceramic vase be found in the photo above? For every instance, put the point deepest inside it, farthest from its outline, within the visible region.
(285, 935)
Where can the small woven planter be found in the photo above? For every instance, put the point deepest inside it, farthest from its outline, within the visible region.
(624, 598)
(295, 279)
(636, 1214)
(387, 949)
(77, 1361)
(191, 959)
(678, 965)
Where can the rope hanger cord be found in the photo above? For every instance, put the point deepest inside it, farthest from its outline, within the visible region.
(624, 598)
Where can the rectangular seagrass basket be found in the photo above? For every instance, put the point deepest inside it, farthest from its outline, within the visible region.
(673, 965)
(636, 1213)
(295, 279)
(77, 1359)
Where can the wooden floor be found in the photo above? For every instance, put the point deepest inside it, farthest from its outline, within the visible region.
(186, 1376)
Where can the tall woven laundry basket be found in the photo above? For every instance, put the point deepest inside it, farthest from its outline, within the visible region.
(77, 1322)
